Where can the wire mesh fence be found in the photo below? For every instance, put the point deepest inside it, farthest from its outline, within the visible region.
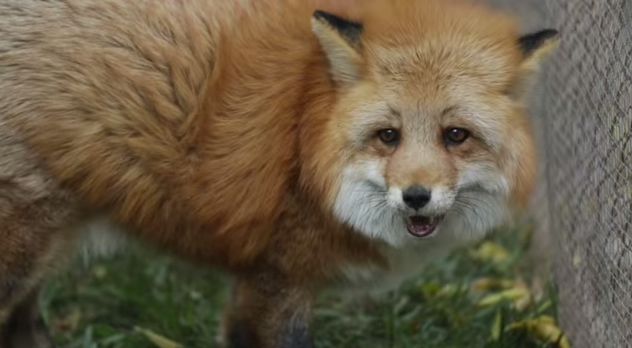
(583, 114)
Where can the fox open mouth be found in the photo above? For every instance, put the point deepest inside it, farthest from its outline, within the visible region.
(422, 226)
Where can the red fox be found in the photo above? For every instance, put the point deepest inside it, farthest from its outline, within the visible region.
(293, 146)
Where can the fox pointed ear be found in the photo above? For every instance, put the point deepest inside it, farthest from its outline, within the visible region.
(340, 40)
(534, 48)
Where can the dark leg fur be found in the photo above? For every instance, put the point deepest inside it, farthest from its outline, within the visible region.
(25, 327)
(240, 336)
(295, 335)
(269, 312)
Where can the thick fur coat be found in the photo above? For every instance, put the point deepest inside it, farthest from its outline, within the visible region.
(288, 145)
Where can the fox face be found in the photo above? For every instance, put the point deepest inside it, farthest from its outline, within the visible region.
(422, 165)
(431, 112)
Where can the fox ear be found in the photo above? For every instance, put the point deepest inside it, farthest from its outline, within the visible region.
(340, 40)
(534, 48)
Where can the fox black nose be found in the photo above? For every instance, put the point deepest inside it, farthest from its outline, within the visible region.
(416, 197)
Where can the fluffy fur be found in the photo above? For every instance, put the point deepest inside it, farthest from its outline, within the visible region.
(243, 135)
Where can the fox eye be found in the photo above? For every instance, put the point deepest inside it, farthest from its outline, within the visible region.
(455, 136)
(389, 136)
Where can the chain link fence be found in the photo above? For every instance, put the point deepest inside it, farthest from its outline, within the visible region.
(583, 116)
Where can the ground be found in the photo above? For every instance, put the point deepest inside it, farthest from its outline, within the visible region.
(482, 296)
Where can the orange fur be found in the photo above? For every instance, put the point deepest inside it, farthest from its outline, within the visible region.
(215, 131)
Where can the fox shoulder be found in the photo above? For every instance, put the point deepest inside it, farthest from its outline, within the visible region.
(125, 103)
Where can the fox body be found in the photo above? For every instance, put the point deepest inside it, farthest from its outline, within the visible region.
(291, 146)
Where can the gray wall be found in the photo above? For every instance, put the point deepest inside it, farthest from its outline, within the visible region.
(583, 115)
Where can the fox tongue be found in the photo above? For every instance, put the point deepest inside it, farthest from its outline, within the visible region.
(421, 226)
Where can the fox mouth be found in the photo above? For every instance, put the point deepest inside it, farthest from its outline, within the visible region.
(423, 226)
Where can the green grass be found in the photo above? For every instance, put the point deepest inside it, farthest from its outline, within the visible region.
(100, 305)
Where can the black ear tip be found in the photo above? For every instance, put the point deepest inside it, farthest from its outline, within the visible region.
(334, 20)
(550, 33)
(349, 29)
(320, 14)
(533, 41)
(541, 35)
(327, 17)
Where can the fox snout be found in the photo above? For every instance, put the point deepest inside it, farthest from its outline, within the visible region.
(416, 196)
(421, 198)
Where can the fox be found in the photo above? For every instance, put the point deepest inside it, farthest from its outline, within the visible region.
(297, 148)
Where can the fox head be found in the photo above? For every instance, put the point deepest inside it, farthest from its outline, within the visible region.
(428, 131)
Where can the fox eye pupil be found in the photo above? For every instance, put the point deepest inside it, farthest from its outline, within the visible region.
(456, 136)
(389, 136)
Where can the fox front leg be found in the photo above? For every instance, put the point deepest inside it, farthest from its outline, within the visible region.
(267, 311)
(24, 327)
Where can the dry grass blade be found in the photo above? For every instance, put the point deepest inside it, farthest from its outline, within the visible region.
(158, 340)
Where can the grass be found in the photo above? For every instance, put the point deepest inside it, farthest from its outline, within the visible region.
(99, 306)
